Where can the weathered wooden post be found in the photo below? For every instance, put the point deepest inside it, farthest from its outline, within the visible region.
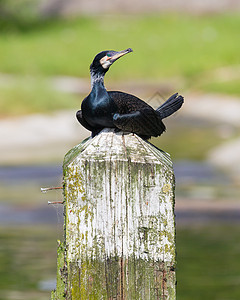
(119, 221)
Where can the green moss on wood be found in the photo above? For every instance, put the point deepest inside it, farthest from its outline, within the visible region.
(74, 152)
(61, 276)
(53, 295)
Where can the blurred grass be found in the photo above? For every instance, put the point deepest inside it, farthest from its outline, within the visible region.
(28, 94)
(187, 48)
(207, 262)
(165, 45)
(231, 87)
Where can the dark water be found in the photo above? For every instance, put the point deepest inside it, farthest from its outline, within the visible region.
(45, 174)
(198, 172)
(19, 201)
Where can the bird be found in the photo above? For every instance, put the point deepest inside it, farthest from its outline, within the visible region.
(119, 110)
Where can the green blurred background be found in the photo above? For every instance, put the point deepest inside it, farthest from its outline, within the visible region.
(46, 48)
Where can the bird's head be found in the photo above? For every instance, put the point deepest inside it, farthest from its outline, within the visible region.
(105, 59)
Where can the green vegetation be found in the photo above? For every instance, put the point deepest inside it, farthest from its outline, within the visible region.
(231, 87)
(30, 95)
(185, 48)
(172, 45)
(18, 14)
(208, 262)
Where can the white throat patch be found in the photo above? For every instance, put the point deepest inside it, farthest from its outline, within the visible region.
(105, 62)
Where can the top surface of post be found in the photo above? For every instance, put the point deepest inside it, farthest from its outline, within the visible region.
(109, 145)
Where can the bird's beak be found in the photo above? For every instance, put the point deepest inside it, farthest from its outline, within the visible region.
(119, 54)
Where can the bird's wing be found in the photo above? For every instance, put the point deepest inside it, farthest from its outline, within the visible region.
(85, 124)
(127, 103)
(135, 115)
(82, 121)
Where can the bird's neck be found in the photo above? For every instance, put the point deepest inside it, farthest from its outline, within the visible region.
(97, 78)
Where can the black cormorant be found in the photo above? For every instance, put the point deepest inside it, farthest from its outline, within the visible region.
(113, 109)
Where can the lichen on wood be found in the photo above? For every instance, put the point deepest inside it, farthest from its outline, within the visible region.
(59, 293)
(119, 220)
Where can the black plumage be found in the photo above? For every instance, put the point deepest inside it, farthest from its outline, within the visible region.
(113, 109)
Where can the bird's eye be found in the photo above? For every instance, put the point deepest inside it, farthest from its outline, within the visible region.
(108, 55)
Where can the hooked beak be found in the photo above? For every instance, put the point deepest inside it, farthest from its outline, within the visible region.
(112, 56)
(119, 54)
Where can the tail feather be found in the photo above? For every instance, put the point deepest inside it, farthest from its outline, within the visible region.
(170, 106)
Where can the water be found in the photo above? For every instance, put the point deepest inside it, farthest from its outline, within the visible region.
(44, 175)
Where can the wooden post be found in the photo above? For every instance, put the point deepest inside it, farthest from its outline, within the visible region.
(119, 221)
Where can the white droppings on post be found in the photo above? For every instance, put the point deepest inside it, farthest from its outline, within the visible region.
(119, 194)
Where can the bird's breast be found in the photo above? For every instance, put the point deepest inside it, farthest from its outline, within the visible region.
(99, 111)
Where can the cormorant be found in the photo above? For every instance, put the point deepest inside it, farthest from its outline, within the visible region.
(122, 111)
